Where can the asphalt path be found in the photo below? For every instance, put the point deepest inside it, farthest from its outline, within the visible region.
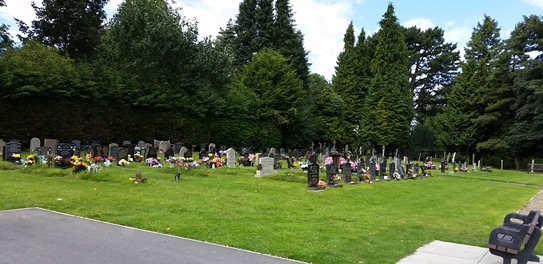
(35, 235)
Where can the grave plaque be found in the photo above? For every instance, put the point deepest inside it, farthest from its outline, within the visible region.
(156, 143)
(416, 168)
(65, 150)
(9, 150)
(34, 144)
(231, 158)
(212, 147)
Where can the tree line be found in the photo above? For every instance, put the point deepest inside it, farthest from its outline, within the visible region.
(146, 74)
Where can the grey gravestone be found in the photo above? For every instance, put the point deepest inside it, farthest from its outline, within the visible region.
(183, 151)
(156, 143)
(169, 153)
(392, 169)
(77, 147)
(111, 146)
(127, 142)
(231, 158)
(347, 173)
(131, 148)
(163, 146)
(273, 151)
(282, 152)
(331, 171)
(102, 151)
(267, 166)
(212, 148)
(52, 143)
(65, 150)
(177, 147)
(141, 144)
(43, 151)
(9, 149)
(383, 170)
(202, 147)
(416, 168)
(34, 144)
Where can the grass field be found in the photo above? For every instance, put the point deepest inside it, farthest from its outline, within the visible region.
(378, 223)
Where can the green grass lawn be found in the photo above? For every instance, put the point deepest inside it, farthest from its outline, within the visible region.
(378, 223)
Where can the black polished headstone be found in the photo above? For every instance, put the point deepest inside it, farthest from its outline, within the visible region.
(65, 150)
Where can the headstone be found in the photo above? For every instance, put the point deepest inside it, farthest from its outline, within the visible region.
(168, 153)
(11, 148)
(2, 144)
(131, 148)
(392, 169)
(163, 146)
(156, 143)
(281, 152)
(401, 171)
(416, 168)
(122, 153)
(34, 144)
(112, 145)
(373, 169)
(231, 158)
(65, 150)
(127, 142)
(202, 147)
(52, 143)
(267, 166)
(383, 170)
(347, 173)
(77, 147)
(273, 151)
(113, 151)
(212, 148)
(177, 147)
(43, 151)
(105, 152)
(141, 145)
(183, 151)
(442, 166)
(150, 152)
(313, 175)
(331, 173)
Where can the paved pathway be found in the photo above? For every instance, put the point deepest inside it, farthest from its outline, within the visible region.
(439, 252)
(38, 236)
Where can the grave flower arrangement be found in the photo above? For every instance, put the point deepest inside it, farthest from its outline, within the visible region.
(328, 161)
(16, 156)
(138, 157)
(31, 159)
(78, 165)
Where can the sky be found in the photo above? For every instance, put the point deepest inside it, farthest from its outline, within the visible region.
(323, 22)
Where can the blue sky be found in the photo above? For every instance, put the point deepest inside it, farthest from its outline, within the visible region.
(323, 22)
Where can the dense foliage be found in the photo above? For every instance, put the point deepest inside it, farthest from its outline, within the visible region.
(146, 74)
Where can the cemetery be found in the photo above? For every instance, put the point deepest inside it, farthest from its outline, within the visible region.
(252, 199)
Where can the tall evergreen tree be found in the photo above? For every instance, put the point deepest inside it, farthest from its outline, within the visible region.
(388, 109)
(73, 27)
(433, 66)
(244, 45)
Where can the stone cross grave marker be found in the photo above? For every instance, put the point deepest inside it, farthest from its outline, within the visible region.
(267, 166)
(9, 149)
(231, 158)
(34, 144)
(52, 143)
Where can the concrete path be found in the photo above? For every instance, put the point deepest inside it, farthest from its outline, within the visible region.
(36, 235)
(439, 252)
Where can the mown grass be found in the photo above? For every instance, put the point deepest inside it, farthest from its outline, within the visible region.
(378, 223)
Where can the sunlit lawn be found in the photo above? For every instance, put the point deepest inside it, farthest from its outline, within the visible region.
(378, 223)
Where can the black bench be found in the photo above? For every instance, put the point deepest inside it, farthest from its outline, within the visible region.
(517, 239)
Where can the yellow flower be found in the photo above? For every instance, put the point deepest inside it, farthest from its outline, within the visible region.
(16, 155)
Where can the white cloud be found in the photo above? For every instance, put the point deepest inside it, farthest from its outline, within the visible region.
(421, 23)
(458, 35)
(536, 3)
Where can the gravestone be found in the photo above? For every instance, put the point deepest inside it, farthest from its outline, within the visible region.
(131, 148)
(122, 153)
(156, 143)
(43, 151)
(281, 152)
(111, 146)
(331, 172)
(163, 146)
(2, 144)
(442, 166)
(9, 149)
(383, 170)
(177, 147)
(52, 143)
(392, 169)
(313, 175)
(267, 167)
(212, 148)
(347, 173)
(183, 151)
(416, 168)
(202, 147)
(373, 169)
(127, 142)
(77, 147)
(65, 150)
(360, 170)
(141, 145)
(105, 152)
(231, 158)
(113, 151)
(34, 144)
(273, 151)
(168, 153)
(150, 152)
(401, 171)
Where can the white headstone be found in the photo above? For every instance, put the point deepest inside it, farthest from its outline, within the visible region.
(182, 151)
(163, 146)
(34, 144)
(267, 166)
(231, 158)
(257, 158)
